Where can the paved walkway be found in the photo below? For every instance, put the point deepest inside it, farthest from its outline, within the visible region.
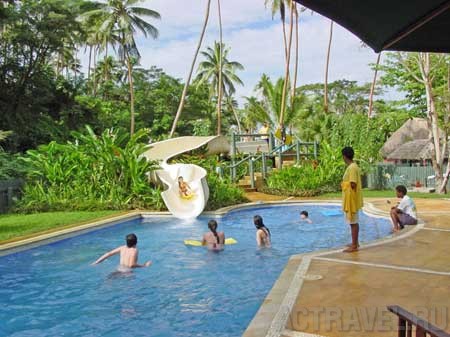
(338, 294)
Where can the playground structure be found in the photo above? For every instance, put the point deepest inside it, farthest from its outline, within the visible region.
(264, 155)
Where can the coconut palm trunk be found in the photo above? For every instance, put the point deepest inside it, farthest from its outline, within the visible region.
(286, 77)
(219, 85)
(372, 88)
(130, 82)
(90, 59)
(188, 79)
(325, 94)
(94, 89)
(294, 85)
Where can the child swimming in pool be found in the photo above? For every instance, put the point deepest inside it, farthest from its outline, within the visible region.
(304, 217)
(262, 232)
(128, 254)
(184, 188)
(213, 239)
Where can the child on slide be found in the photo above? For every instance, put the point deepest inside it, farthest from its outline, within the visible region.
(184, 188)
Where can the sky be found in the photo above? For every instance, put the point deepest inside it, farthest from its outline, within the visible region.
(255, 40)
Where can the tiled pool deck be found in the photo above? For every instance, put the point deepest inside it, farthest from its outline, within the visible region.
(338, 294)
(334, 294)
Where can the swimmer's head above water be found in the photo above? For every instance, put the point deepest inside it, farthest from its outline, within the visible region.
(212, 225)
(131, 240)
(258, 221)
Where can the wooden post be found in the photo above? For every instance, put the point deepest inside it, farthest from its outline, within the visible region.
(280, 158)
(263, 166)
(252, 173)
(315, 150)
(9, 197)
(401, 327)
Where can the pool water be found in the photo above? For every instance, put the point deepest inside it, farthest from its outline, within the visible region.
(52, 290)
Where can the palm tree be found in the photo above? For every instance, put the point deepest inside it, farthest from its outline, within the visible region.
(275, 7)
(372, 88)
(288, 59)
(212, 70)
(231, 104)
(269, 108)
(294, 86)
(121, 19)
(107, 71)
(327, 63)
(220, 88)
(188, 80)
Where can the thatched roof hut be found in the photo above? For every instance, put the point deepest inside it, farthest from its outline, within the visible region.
(415, 150)
(414, 129)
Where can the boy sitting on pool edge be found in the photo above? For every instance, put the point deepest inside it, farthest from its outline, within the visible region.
(128, 254)
(405, 213)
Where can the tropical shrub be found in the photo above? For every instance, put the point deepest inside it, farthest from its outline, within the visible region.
(222, 193)
(309, 178)
(92, 172)
(11, 166)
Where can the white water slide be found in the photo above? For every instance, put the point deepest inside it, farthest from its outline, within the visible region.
(195, 176)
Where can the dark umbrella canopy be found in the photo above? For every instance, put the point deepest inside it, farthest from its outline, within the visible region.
(404, 25)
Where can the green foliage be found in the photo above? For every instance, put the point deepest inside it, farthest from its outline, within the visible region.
(309, 179)
(222, 193)
(268, 108)
(365, 135)
(92, 172)
(401, 71)
(209, 70)
(11, 166)
(32, 100)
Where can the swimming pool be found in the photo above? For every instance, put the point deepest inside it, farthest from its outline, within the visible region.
(52, 290)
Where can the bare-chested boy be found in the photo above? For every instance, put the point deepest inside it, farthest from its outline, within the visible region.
(128, 254)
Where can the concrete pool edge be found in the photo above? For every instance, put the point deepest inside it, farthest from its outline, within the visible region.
(273, 315)
(45, 237)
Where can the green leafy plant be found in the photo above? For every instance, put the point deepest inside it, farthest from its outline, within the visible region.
(309, 178)
(107, 171)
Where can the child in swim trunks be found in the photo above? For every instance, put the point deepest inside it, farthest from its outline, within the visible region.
(128, 254)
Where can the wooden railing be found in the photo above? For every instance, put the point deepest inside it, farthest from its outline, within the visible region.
(407, 320)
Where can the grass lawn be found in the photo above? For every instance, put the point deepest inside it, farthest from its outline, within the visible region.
(388, 194)
(17, 225)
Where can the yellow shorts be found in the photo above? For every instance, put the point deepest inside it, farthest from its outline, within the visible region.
(352, 218)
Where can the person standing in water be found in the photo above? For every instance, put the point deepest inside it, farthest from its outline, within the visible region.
(128, 254)
(213, 239)
(262, 232)
(352, 199)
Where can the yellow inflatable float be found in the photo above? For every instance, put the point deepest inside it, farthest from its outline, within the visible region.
(196, 243)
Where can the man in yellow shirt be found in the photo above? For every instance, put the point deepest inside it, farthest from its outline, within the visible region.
(352, 199)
